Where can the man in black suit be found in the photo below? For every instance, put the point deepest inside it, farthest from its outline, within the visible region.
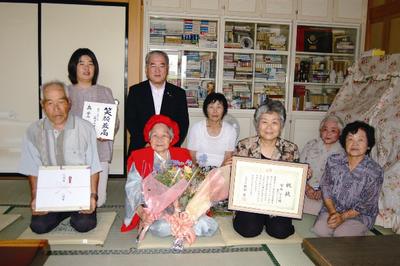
(155, 96)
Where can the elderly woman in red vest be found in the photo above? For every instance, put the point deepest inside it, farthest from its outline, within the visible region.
(161, 133)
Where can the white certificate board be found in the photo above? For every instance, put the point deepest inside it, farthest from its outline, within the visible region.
(63, 188)
(102, 116)
(267, 187)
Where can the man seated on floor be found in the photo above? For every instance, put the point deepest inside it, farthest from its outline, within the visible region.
(60, 138)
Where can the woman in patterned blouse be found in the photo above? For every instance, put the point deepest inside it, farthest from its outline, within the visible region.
(350, 185)
(269, 120)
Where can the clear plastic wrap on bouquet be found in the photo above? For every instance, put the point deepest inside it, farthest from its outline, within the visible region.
(158, 197)
(213, 188)
(188, 219)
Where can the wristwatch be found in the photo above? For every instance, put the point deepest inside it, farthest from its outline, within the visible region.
(94, 195)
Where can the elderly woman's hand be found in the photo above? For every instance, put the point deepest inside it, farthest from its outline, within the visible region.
(335, 220)
(227, 161)
(309, 173)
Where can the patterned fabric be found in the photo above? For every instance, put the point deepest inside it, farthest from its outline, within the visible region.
(357, 189)
(251, 147)
(371, 93)
(315, 154)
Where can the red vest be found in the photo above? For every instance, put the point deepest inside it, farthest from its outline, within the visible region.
(144, 161)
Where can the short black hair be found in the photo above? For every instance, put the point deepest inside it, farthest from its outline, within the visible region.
(212, 98)
(353, 129)
(73, 63)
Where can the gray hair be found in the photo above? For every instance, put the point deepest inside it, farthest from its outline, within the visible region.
(157, 52)
(170, 131)
(51, 83)
(270, 106)
(333, 118)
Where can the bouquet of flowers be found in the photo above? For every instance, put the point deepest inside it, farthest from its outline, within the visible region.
(181, 194)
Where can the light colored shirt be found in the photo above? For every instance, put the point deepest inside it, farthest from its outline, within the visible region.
(357, 189)
(157, 96)
(315, 154)
(210, 150)
(74, 145)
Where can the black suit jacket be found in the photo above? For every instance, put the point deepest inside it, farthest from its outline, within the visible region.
(140, 107)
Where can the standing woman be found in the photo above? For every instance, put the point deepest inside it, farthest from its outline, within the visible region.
(211, 142)
(269, 120)
(83, 70)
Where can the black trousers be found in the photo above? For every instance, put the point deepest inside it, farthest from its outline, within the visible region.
(251, 224)
(41, 224)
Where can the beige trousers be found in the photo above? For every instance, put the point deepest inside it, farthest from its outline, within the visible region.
(350, 227)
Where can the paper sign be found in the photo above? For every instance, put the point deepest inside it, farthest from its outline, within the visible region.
(102, 116)
(63, 188)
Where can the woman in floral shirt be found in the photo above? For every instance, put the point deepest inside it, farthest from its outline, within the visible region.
(350, 186)
(269, 120)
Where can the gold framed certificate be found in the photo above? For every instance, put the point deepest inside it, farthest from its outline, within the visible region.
(267, 187)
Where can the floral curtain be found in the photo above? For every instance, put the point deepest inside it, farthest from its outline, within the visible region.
(371, 93)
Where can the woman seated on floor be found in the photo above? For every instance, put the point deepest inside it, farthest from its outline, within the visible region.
(269, 120)
(350, 186)
(212, 141)
(315, 153)
(162, 133)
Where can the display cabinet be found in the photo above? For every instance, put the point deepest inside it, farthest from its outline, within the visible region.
(322, 58)
(191, 45)
(255, 62)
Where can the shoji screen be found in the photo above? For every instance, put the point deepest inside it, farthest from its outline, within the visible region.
(101, 28)
(18, 78)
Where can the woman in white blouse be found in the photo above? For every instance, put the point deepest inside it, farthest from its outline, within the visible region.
(211, 142)
(315, 153)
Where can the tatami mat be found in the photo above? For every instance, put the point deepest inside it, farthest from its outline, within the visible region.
(7, 219)
(232, 238)
(297, 256)
(3, 209)
(259, 258)
(225, 236)
(121, 248)
(64, 234)
(151, 241)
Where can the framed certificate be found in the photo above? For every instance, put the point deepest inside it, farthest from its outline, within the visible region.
(267, 187)
(63, 188)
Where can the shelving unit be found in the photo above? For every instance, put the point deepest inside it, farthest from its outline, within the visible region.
(322, 56)
(255, 62)
(192, 46)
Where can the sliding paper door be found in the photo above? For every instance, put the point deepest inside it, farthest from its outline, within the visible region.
(101, 28)
(19, 79)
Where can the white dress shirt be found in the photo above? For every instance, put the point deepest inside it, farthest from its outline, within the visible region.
(157, 97)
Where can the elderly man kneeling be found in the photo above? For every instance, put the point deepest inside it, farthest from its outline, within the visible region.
(60, 139)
